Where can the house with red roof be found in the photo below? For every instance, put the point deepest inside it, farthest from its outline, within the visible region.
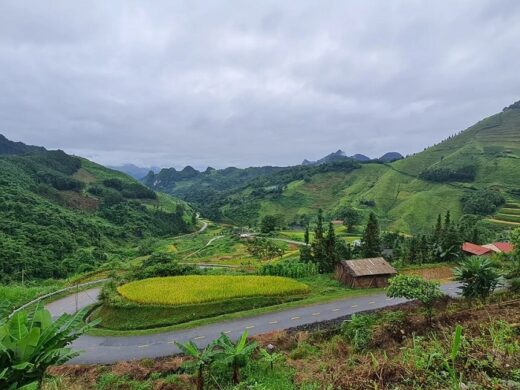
(488, 249)
(476, 250)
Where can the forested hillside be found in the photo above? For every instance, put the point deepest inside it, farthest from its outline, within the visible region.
(407, 194)
(216, 192)
(62, 214)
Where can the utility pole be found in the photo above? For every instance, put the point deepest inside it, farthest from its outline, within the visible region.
(76, 297)
(23, 277)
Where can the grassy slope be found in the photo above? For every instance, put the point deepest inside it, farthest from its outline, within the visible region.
(69, 219)
(404, 202)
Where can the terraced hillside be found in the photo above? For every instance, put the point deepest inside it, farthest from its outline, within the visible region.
(508, 216)
(407, 194)
(399, 193)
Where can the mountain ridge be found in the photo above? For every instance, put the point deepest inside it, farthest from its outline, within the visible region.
(406, 193)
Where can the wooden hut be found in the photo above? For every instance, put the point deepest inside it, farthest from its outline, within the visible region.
(365, 273)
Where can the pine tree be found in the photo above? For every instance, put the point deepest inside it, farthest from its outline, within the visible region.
(424, 250)
(319, 253)
(437, 233)
(330, 249)
(343, 250)
(306, 235)
(447, 222)
(412, 250)
(371, 241)
(318, 231)
(306, 254)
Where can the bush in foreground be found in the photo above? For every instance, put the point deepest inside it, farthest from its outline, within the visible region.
(29, 344)
(415, 287)
(478, 277)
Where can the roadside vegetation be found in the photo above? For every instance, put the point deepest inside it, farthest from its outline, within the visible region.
(462, 347)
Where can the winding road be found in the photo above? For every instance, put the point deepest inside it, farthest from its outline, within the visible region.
(102, 350)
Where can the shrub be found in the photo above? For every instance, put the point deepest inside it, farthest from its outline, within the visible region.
(482, 202)
(303, 350)
(445, 175)
(359, 330)
(478, 277)
(415, 287)
(515, 285)
(291, 269)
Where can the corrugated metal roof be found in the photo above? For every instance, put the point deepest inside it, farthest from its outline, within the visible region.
(505, 247)
(372, 266)
(475, 249)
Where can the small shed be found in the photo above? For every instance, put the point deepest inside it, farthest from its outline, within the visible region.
(365, 273)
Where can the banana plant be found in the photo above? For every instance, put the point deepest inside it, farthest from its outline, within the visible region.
(202, 359)
(30, 343)
(236, 355)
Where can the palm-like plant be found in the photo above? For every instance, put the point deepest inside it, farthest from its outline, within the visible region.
(202, 359)
(478, 277)
(236, 354)
(29, 344)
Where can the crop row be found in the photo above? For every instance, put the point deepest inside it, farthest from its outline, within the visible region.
(183, 290)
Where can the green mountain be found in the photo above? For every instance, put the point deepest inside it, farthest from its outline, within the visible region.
(62, 214)
(407, 195)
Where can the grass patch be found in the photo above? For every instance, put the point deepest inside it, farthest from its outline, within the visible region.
(146, 317)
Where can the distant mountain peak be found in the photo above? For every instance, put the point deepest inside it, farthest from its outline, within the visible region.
(338, 155)
(135, 171)
(391, 156)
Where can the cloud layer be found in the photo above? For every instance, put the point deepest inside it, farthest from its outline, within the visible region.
(251, 83)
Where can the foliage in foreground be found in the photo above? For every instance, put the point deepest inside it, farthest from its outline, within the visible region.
(415, 287)
(220, 351)
(478, 348)
(477, 276)
(29, 344)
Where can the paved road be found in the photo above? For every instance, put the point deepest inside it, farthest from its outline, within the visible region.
(112, 349)
(72, 303)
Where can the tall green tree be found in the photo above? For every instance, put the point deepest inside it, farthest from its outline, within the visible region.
(330, 249)
(318, 246)
(437, 232)
(305, 250)
(371, 241)
(268, 224)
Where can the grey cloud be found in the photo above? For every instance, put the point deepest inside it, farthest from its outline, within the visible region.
(247, 83)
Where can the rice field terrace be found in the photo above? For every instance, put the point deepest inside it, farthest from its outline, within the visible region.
(508, 215)
(192, 289)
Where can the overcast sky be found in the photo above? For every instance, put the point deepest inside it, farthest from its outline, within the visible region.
(246, 83)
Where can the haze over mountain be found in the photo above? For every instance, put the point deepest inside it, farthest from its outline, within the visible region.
(341, 155)
(135, 171)
(407, 194)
